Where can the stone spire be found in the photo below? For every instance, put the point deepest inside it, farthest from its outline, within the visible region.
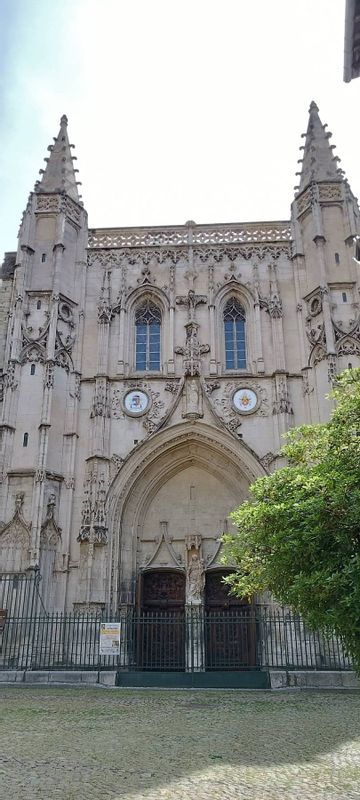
(59, 173)
(318, 162)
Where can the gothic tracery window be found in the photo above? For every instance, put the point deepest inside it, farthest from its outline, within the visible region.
(147, 337)
(234, 334)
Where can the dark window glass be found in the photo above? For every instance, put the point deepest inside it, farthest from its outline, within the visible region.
(38, 304)
(147, 339)
(43, 257)
(234, 332)
(344, 297)
(32, 369)
(25, 439)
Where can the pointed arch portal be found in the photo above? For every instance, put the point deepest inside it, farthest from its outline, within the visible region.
(182, 481)
(170, 501)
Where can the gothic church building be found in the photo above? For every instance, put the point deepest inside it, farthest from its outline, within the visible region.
(148, 375)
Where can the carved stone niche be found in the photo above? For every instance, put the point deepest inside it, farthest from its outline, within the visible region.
(15, 540)
(192, 399)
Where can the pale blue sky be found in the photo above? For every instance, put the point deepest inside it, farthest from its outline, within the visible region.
(190, 110)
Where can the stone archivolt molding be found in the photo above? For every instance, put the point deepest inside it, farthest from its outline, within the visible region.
(155, 461)
(199, 432)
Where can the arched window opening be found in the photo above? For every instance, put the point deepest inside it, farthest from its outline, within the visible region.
(25, 440)
(234, 331)
(32, 369)
(147, 337)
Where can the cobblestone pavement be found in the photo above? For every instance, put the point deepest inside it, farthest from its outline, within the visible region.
(93, 744)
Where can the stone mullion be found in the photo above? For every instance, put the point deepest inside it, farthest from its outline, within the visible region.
(213, 367)
(58, 251)
(44, 428)
(103, 347)
(279, 343)
(211, 306)
(121, 356)
(351, 227)
(13, 369)
(171, 340)
(297, 266)
(71, 435)
(259, 355)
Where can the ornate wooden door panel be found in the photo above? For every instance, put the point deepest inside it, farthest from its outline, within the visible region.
(230, 627)
(163, 590)
(161, 624)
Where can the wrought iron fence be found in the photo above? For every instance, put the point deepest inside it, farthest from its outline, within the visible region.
(193, 641)
(20, 594)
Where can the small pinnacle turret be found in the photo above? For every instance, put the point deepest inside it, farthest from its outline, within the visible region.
(59, 174)
(318, 162)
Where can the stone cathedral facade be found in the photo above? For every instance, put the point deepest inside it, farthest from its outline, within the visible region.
(148, 375)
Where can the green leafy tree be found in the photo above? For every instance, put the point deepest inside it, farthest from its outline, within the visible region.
(299, 534)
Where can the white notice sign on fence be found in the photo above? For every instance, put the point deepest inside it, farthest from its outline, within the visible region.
(109, 638)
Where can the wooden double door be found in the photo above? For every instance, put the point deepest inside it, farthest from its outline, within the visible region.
(225, 632)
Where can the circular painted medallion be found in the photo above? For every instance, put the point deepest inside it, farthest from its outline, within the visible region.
(245, 400)
(136, 402)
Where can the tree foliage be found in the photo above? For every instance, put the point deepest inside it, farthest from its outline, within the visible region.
(299, 534)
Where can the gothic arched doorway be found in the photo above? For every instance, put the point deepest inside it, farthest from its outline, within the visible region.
(230, 626)
(161, 620)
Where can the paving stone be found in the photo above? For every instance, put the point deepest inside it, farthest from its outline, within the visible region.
(87, 743)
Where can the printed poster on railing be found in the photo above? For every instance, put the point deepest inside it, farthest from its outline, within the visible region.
(110, 638)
